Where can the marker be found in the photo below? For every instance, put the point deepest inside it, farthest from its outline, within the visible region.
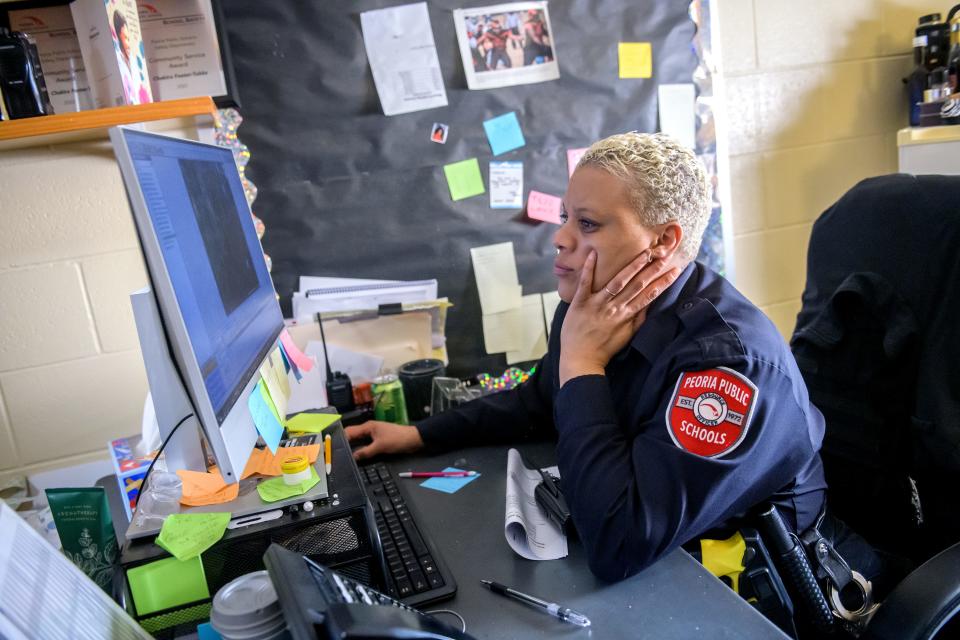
(436, 474)
(550, 608)
(328, 452)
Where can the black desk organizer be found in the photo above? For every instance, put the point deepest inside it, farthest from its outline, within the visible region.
(339, 532)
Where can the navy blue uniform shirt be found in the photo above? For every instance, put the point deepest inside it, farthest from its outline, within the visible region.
(702, 416)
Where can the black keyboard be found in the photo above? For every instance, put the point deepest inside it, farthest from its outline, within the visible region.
(418, 575)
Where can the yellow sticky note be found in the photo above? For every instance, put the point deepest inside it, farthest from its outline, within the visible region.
(280, 371)
(276, 489)
(311, 422)
(274, 390)
(636, 59)
(187, 535)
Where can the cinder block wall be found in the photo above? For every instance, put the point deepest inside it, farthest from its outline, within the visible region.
(813, 102)
(71, 375)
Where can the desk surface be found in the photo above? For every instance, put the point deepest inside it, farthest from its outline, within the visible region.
(675, 598)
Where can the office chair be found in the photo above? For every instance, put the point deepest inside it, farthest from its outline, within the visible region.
(876, 340)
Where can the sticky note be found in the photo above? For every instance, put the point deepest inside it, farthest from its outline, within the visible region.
(573, 157)
(291, 364)
(265, 416)
(449, 485)
(675, 105)
(276, 489)
(205, 631)
(268, 464)
(187, 535)
(283, 356)
(502, 331)
(636, 59)
(280, 371)
(503, 133)
(495, 270)
(311, 422)
(294, 353)
(167, 583)
(506, 185)
(200, 488)
(278, 399)
(551, 301)
(464, 179)
(532, 341)
(543, 206)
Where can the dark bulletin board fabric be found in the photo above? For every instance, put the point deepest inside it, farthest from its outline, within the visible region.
(346, 191)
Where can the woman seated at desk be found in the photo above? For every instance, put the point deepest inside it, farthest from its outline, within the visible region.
(676, 405)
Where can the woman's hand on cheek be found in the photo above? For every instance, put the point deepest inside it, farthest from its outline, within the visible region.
(600, 324)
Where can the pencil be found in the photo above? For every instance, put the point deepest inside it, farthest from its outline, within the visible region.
(328, 452)
(436, 474)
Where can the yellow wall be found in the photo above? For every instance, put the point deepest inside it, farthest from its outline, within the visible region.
(813, 98)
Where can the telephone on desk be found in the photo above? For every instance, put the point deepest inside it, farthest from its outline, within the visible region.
(319, 603)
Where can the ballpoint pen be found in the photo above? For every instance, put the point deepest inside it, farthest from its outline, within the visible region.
(436, 474)
(551, 608)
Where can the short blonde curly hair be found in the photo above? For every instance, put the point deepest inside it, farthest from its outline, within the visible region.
(665, 180)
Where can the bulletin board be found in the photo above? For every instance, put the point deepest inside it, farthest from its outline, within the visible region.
(346, 191)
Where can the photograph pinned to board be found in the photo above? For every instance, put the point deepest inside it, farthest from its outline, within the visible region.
(506, 44)
(439, 132)
(403, 58)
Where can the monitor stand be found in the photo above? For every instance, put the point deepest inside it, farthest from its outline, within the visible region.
(170, 400)
(184, 451)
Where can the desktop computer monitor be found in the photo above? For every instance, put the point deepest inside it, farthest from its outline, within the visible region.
(218, 316)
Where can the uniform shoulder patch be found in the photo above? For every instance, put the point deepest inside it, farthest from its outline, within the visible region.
(709, 413)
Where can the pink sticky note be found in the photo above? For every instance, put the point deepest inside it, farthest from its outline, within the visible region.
(573, 157)
(543, 206)
(293, 351)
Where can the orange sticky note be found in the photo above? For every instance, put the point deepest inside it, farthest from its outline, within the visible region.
(201, 488)
(636, 59)
(267, 464)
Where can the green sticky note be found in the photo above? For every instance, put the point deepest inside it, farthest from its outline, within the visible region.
(167, 583)
(311, 422)
(636, 59)
(464, 179)
(276, 489)
(187, 535)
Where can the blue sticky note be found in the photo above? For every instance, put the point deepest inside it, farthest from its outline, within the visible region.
(449, 485)
(263, 417)
(283, 356)
(206, 631)
(291, 365)
(504, 133)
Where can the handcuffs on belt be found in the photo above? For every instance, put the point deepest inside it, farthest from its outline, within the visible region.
(850, 594)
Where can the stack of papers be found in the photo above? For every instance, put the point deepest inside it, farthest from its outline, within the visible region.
(513, 323)
(323, 295)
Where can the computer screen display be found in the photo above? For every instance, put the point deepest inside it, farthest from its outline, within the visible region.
(212, 257)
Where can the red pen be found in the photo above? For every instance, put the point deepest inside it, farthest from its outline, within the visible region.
(436, 474)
